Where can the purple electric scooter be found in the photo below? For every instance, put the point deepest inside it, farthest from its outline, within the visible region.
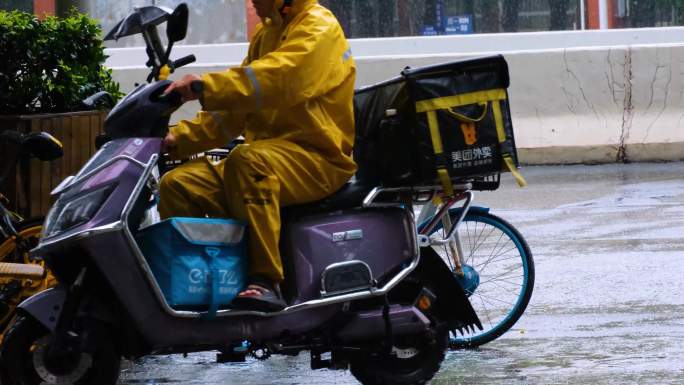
(360, 289)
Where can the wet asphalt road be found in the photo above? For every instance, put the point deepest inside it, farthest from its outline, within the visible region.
(608, 303)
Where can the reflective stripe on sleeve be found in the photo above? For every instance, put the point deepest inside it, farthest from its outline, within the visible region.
(347, 55)
(255, 83)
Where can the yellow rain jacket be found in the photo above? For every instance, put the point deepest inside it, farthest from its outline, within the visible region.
(292, 100)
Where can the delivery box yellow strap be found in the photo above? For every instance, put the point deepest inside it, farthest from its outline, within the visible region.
(468, 119)
(448, 102)
(498, 121)
(510, 165)
(507, 158)
(438, 148)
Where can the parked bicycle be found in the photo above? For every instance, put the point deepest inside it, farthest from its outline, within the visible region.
(21, 276)
(491, 260)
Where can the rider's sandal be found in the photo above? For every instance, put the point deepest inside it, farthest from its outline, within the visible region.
(268, 300)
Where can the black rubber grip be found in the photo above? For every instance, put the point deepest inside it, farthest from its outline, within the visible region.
(184, 61)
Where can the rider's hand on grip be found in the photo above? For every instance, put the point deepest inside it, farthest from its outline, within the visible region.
(186, 87)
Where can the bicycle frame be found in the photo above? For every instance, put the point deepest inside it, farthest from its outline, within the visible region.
(17, 245)
(8, 218)
(432, 213)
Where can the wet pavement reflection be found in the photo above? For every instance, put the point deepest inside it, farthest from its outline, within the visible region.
(608, 304)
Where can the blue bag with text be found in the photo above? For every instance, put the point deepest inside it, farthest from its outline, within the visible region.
(199, 263)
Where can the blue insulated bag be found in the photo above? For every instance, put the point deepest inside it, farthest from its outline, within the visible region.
(198, 262)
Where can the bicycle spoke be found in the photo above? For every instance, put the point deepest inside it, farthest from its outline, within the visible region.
(477, 244)
(505, 259)
(499, 259)
(482, 266)
(504, 283)
(470, 244)
(493, 300)
(486, 312)
(498, 269)
(497, 283)
(500, 275)
(492, 255)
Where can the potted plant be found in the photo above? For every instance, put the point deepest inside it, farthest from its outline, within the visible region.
(49, 66)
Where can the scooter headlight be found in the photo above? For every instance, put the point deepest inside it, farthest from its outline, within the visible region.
(71, 211)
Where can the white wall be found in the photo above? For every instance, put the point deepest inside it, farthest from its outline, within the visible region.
(592, 96)
(205, 16)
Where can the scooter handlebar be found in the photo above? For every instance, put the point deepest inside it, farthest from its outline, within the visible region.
(184, 61)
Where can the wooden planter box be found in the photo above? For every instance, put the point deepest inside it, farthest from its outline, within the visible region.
(28, 186)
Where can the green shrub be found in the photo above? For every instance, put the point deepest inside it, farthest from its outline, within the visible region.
(51, 65)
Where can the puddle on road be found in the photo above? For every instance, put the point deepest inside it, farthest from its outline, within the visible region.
(628, 354)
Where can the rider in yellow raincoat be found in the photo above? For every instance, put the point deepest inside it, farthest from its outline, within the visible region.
(292, 100)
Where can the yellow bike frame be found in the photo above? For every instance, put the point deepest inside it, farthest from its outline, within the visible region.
(27, 272)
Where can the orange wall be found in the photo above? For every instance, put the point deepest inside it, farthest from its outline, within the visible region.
(252, 18)
(43, 7)
(593, 21)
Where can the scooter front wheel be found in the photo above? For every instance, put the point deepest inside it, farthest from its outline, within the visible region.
(24, 359)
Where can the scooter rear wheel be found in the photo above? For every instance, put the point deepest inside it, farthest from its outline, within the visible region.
(23, 359)
(414, 360)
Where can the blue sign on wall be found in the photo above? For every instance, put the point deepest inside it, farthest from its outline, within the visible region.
(430, 30)
(439, 25)
(440, 15)
(459, 25)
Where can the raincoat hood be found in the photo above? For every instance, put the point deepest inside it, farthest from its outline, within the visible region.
(298, 6)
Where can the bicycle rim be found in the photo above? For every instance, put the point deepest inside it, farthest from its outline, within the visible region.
(29, 230)
(506, 275)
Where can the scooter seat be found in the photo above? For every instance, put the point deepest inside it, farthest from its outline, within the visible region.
(350, 196)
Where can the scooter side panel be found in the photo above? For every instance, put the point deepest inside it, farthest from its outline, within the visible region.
(382, 238)
(115, 258)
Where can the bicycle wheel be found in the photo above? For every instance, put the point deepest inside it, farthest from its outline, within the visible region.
(499, 274)
(13, 291)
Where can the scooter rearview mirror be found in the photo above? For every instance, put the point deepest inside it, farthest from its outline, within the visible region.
(177, 25)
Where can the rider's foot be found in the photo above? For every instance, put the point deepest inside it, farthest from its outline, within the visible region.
(260, 295)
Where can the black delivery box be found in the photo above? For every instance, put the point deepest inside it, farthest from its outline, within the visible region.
(440, 124)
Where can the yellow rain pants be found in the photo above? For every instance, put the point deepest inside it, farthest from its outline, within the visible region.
(292, 100)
